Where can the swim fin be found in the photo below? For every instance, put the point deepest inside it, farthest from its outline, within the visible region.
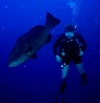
(61, 89)
(84, 79)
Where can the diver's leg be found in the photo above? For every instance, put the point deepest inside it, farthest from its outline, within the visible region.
(82, 72)
(79, 67)
(64, 70)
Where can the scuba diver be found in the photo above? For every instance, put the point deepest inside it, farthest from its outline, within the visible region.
(71, 49)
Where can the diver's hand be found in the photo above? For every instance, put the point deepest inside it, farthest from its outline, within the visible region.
(58, 58)
(81, 53)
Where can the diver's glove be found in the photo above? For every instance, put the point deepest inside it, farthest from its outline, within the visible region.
(81, 53)
(84, 79)
(58, 58)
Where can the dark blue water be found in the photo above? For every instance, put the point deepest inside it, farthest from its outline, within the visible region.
(37, 80)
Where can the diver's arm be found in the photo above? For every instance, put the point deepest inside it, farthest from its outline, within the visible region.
(55, 46)
(83, 44)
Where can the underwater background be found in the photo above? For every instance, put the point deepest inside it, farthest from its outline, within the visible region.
(37, 80)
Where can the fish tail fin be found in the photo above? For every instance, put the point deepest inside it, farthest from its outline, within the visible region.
(51, 21)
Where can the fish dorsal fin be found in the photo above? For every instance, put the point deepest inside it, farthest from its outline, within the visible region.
(19, 39)
(33, 30)
(38, 27)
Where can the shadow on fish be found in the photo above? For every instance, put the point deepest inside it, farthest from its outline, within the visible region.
(28, 44)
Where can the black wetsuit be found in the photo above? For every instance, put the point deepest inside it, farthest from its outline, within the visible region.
(71, 48)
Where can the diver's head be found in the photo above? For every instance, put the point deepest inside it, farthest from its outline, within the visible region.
(69, 31)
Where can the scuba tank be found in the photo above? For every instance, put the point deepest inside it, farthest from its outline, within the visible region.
(77, 30)
(55, 38)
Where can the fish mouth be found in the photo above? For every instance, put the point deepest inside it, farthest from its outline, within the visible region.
(12, 64)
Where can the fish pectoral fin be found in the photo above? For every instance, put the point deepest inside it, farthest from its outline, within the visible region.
(34, 56)
(49, 38)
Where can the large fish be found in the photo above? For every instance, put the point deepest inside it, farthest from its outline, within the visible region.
(28, 44)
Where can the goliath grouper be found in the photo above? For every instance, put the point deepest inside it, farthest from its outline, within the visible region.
(28, 44)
